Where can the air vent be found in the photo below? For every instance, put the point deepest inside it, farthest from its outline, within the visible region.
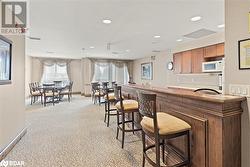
(34, 38)
(156, 51)
(115, 53)
(199, 33)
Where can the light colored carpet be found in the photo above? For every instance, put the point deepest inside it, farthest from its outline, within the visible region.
(74, 135)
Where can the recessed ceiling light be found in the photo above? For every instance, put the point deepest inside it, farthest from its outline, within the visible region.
(221, 26)
(157, 36)
(106, 21)
(179, 40)
(91, 47)
(127, 50)
(196, 18)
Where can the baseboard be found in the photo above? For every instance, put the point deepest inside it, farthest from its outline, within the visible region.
(12, 144)
(76, 93)
(86, 95)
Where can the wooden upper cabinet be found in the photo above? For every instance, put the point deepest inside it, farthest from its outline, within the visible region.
(177, 63)
(214, 51)
(210, 51)
(197, 59)
(220, 49)
(186, 62)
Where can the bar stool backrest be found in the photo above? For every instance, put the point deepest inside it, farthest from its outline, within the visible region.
(118, 95)
(113, 84)
(147, 107)
(105, 85)
(95, 86)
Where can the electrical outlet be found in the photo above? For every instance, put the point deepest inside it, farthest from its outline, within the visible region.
(239, 90)
(232, 89)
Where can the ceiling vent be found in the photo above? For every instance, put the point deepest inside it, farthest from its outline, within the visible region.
(199, 33)
(34, 38)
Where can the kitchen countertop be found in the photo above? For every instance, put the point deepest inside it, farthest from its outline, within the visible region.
(218, 98)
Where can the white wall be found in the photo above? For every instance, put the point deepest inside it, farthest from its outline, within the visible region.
(12, 105)
(237, 29)
(163, 77)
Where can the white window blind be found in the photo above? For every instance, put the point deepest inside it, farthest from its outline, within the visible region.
(55, 72)
(107, 71)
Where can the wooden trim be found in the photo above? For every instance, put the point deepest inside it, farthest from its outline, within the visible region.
(11, 145)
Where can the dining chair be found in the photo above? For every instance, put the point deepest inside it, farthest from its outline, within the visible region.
(50, 94)
(97, 92)
(35, 93)
(67, 91)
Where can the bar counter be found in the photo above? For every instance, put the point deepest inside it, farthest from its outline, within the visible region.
(215, 121)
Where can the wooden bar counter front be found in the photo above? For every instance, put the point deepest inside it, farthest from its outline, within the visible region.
(215, 121)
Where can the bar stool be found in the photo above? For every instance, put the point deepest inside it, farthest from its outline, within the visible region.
(125, 107)
(109, 99)
(161, 126)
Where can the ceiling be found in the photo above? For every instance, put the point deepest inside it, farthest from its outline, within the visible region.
(67, 26)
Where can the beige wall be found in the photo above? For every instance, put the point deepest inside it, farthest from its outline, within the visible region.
(163, 77)
(237, 29)
(12, 105)
(76, 75)
(28, 67)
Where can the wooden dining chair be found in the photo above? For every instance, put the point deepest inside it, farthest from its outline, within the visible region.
(50, 94)
(67, 91)
(35, 93)
(97, 92)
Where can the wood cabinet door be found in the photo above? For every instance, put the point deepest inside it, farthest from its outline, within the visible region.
(177, 63)
(210, 51)
(197, 59)
(220, 49)
(186, 62)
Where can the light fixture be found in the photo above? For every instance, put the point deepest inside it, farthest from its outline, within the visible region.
(91, 47)
(221, 26)
(106, 21)
(127, 50)
(157, 36)
(179, 40)
(196, 18)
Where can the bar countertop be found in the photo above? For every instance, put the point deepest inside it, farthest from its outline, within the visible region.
(216, 98)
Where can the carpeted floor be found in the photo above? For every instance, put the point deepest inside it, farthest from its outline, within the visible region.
(74, 135)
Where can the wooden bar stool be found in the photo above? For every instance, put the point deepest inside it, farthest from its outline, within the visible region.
(109, 99)
(161, 126)
(125, 107)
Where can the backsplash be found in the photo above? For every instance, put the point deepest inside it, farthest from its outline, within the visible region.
(198, 81)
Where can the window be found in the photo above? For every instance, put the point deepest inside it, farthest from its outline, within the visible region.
(55, 72)
(107, 71)
(102, 72)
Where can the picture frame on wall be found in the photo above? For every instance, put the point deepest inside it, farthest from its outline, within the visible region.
(244, 54)
(147, 71)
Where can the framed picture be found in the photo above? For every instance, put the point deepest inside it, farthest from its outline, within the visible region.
(147, 71)
(5, 60)
(244, 54)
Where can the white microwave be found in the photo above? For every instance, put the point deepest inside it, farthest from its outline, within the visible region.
(212, 66)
